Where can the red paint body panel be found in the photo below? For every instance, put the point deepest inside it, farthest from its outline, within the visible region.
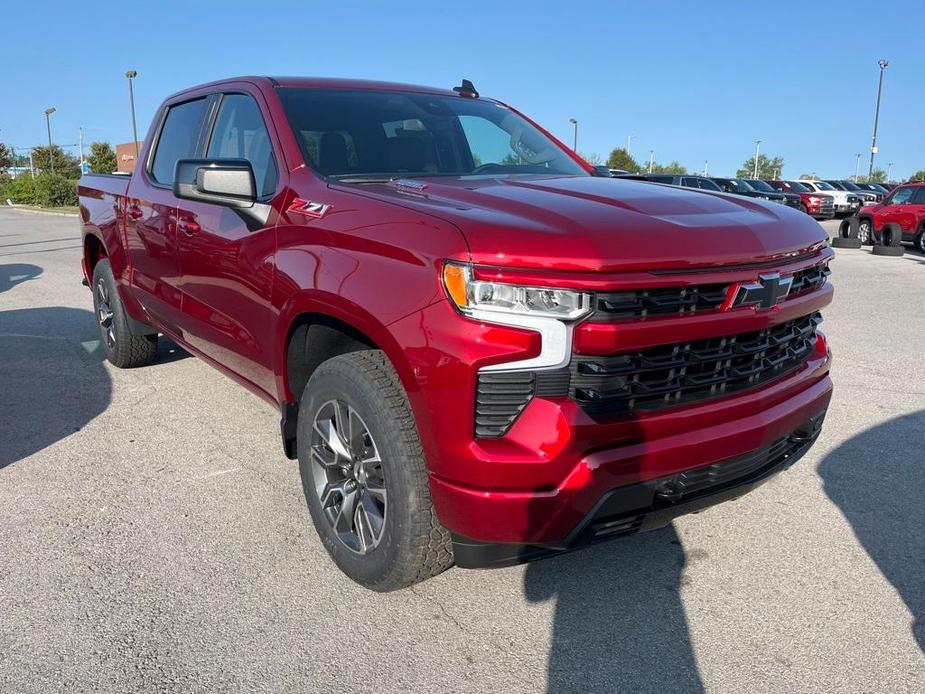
(373, 260)
(910, 215)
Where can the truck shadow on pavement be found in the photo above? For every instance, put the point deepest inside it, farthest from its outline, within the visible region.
(619, 621)
(877, 480)
(52, 379)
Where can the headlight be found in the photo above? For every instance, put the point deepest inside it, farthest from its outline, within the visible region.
(472, 296)
(814, 200)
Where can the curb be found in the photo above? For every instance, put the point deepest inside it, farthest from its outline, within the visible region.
(46, 212)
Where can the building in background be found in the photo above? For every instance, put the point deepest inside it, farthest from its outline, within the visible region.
(125, 156)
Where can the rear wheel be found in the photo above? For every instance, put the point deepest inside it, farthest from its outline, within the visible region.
(121, 347)
(364, 477)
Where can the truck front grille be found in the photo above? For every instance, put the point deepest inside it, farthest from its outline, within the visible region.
(674, 301)
(690, 371)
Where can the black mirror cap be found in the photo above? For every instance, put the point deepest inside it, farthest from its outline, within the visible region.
(227, 182)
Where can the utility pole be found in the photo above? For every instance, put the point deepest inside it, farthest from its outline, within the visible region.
(857, 168)
(873, 142)
(757, 148)
(651, 159)
(51, 158)
(131, 75)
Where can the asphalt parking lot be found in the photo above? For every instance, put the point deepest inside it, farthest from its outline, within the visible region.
(154, 538)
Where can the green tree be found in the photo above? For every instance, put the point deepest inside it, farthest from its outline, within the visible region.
(918, 175)
(593, 159)
(621, 159)
(65, 164)
(878, 176)
(674, 167)
(102, 158)
(768, 167)
(6, 157)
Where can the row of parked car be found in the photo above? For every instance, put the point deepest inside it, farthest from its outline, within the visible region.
(819, 199)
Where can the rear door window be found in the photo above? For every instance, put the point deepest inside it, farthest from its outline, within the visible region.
(178, 139)
(918, 198)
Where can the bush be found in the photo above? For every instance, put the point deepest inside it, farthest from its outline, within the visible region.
(47, 190)
(54, 190)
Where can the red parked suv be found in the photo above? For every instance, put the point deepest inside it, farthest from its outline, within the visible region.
(481, 353)
(905, 206)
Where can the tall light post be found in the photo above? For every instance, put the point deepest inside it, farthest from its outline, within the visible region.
(51, 158)
(131, 75)
(574, 123)
(757, 149)
(651, 159)
(629, 142)
(706, 166)
(857, 168)
(889, 169)
(873, 141)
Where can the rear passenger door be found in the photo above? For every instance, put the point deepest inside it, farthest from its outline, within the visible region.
(913, 212)
(151, 230)
(226, 267)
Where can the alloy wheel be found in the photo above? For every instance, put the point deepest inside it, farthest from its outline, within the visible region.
(104, 313)
(348, 476)
(864, 231)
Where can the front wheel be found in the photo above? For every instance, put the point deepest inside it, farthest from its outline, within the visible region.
(919, 240)
(865, 232)
(363, 474)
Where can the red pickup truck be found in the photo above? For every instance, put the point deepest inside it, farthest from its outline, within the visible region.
(481, 352)
(905, 206)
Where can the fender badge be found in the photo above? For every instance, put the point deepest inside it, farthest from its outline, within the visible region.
(309, 208)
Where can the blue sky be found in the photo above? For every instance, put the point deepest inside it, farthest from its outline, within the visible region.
(693, 81)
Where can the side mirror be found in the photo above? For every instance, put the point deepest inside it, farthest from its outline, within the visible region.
(227, 182)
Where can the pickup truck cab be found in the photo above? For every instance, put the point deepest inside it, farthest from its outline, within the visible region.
(904, 206)
(738, 186)
(789, 199)
(480, 352)
(867, 197)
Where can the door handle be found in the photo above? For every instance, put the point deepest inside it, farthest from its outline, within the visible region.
(135, 212)
(188, 227)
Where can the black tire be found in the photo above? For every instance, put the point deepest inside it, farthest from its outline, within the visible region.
(412, 545)
(121, 347)
(894, 251)
(919, 240)
(866, 231)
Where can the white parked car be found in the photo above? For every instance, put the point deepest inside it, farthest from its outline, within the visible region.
(845, 203)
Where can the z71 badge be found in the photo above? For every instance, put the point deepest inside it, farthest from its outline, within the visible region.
(309, 208)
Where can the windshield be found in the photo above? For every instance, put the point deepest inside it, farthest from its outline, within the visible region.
(368, 134)
(760, 185)
(799, 187)
(742, 186)
(822, 185)
(848, 185)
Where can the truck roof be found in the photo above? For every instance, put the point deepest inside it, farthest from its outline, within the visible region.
(321, 83)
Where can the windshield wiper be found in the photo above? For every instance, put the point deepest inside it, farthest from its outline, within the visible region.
(352, 178)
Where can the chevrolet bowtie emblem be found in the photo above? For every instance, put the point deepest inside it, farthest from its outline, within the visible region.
(764, 294)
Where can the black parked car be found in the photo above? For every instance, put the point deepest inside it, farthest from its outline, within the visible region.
(685, 181)
(738, 186)
(790, 199)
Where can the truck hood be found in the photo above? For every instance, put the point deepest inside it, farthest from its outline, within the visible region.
(580, 223)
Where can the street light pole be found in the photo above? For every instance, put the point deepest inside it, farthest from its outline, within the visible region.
(629, 142)
(889, 169)
(651, 159)
(873, 142)
(131, 75)
(51, 158)
(706, 166)
(757, 148)
(857, 168)
(574, 122)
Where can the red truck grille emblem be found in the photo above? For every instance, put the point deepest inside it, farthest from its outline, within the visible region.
(309, 208)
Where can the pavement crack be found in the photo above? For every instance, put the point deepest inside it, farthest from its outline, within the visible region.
(439, 604)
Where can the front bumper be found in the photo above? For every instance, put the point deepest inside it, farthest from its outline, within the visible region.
(654, 503)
